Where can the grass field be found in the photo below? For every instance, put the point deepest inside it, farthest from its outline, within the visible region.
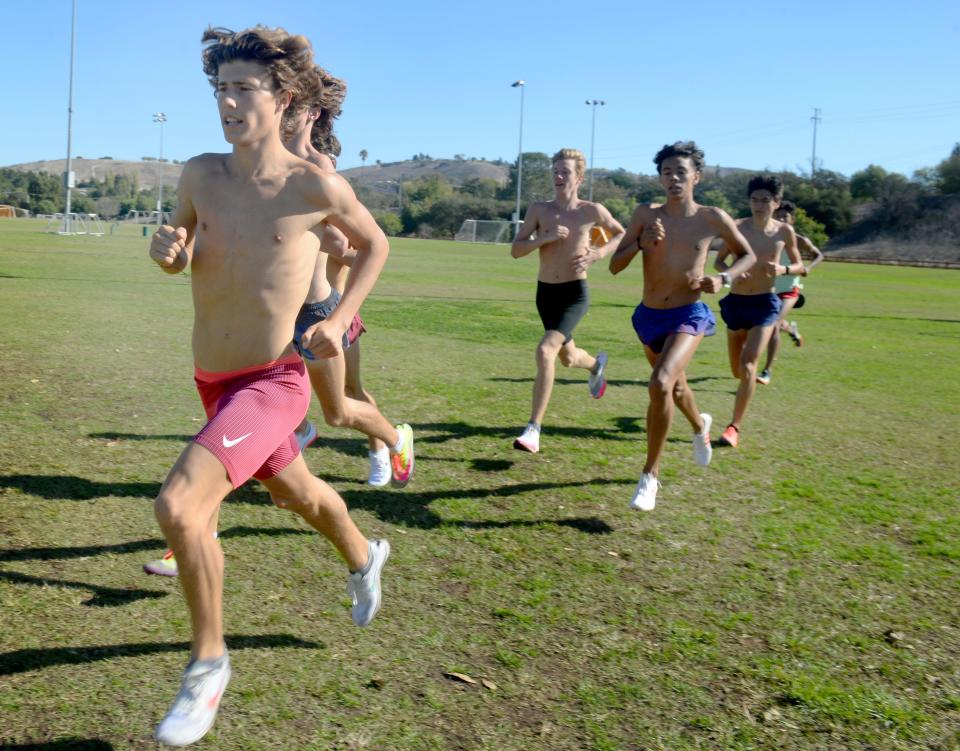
(803, 592)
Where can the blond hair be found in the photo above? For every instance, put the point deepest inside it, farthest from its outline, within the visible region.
(576, 155)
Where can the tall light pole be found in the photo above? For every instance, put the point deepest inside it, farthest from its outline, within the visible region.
(159, 117)
(813, 157)
(68, 175)
(516, 217)
(593, 127)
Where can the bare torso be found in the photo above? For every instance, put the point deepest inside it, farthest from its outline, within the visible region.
(556, 258)
(252, 264)
(674, 263)
(768, 244)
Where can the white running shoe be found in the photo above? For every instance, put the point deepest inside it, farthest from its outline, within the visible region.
(702, 450)
(598, 380)
(529, 440)
(307, 437)
(380, 470)
(364, 589)
(645, 497)
(195, 707)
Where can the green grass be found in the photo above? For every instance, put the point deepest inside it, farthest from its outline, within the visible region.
(752, 610)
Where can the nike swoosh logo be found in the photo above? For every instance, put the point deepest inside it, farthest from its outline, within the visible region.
(227, 443)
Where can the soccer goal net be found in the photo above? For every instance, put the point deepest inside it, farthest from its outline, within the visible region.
(484, 231)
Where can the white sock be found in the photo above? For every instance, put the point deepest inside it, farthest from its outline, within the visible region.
(383, 453)
(396, 449)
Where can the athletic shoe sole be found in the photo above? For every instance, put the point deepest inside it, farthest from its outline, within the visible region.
(518, 444)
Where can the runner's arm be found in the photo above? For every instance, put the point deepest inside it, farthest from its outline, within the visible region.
(171, 246)
(795, 266)
(734, 242)
(808, 247)
(364, 234)
(523, 245)
(612, 228)
(628, 246)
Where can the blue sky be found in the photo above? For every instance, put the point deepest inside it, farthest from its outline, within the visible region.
(434, 77)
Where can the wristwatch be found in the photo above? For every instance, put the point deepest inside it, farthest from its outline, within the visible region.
(724, 279)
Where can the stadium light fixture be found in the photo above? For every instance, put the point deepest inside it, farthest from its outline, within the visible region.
(516, 217)
(593, 127)
(159, 117)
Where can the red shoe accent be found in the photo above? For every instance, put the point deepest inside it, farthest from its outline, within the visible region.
(731, 436)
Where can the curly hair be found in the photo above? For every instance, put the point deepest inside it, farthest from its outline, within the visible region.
(576, 155)
(680, 148)
(285, 56)
(332, 94)
(770, 183)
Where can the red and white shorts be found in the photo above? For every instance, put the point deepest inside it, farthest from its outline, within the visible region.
(252, 415)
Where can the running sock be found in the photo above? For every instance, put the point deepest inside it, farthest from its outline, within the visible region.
(396, 449)
(535, 425)
(366, 567)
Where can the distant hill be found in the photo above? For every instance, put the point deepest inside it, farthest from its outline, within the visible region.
(931, 235)
(98, 169)
(454, 171)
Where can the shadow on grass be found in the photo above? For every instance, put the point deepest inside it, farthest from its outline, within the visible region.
(72, 488)
(408, 508)
(23, 660)
(451, 431)
(412, 509)
(112, 436)
(156, 544)
(103, 597)
(491, 465)
(64, 744)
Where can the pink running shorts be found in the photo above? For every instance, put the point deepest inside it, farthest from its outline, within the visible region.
(252, 414)
(356, 328)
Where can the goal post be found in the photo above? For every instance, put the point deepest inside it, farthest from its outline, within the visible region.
(484, 231)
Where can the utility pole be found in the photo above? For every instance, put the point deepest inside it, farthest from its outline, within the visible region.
(813, 158)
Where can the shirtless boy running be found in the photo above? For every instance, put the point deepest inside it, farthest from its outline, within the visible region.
(752, 308)
(307, 123)
(788, 290)
(561, 230)
(671, 321)
(391, 448)
(239, 226)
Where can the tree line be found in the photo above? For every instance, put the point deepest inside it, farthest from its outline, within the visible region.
(433, 207)
(829, 204)
(114, 196)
